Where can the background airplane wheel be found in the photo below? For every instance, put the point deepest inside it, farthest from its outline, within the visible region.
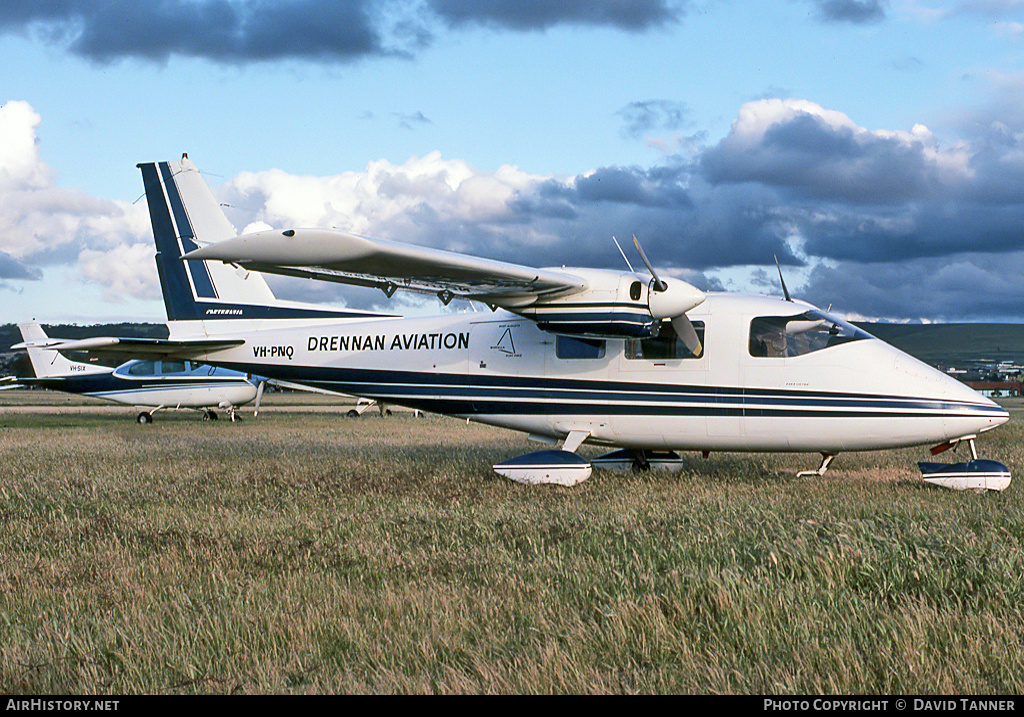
(144, 418)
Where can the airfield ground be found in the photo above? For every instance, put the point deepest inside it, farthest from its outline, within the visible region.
(304, 551)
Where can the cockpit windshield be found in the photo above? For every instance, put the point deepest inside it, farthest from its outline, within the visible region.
(804, 333)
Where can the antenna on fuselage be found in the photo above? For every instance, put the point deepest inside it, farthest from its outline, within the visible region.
(623, 254)
(785, 291)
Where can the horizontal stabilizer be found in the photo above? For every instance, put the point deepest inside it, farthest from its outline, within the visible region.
(143, 348)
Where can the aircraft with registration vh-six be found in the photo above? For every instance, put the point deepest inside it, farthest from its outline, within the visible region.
(150, 386)
(645, 364)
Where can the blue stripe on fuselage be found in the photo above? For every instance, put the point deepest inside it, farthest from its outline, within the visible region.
(460, 394)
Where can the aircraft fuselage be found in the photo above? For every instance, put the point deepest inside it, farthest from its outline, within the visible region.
(770, 377)
(144, 384)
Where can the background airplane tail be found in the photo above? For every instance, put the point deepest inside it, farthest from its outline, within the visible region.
(184, 214)
(48, 363)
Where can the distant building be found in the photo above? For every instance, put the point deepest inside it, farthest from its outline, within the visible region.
(998, 389)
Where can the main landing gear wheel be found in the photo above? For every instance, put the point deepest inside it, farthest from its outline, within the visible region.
(826, 459)
(144, 418)
(209, 415)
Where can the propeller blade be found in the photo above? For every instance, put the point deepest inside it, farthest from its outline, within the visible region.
(659, 285)
(687, 334)
(259, 397)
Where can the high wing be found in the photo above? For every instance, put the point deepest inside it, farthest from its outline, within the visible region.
(590, 302)
(331, 255)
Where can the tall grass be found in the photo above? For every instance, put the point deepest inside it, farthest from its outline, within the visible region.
(305, 552)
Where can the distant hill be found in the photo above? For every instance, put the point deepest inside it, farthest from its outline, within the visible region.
(954, 344)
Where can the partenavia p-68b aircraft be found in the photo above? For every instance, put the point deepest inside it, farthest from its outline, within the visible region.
(149, 385)
(637, 362)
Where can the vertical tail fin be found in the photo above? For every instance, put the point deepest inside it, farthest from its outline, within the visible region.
(184, 213)
(182, 210)
(48, 363)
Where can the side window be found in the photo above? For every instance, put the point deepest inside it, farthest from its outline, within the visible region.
(142, 368)
(798, 335)
(172, 367)
(666, 345)
(570, 347)
(768, 336)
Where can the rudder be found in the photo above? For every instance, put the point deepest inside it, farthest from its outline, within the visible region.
(48, 363)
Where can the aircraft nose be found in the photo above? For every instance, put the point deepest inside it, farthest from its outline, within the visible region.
(965, 411)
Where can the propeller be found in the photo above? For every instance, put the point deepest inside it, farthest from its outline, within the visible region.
(259, 397)
(658, 285)
(687, 334)
(672, 301)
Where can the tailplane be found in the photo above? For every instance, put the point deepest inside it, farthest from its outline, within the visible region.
(48, 362)
(185, 214)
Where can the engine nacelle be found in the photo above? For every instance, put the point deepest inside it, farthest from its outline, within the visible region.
(614, 305)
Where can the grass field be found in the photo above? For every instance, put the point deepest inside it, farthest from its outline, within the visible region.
(305, 552)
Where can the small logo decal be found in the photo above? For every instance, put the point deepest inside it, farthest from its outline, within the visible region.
(506, 344)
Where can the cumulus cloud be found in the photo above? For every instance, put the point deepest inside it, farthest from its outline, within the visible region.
(962, 287)
(220, 30)
(123, 271)
(631, 15)
(894, 223)
(648, 116)
(822, 153)
(43, 224)
(884, 223)
(20, 166)
(854, 11)
(792, 180)
(11, 268)
(240, 31)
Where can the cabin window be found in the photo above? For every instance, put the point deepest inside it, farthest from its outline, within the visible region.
(666, 345)
(570, 347)
(635, 289)
(172, 367)
(142, 368)
(802, 334)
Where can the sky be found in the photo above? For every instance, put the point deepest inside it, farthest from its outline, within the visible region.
(875, 148)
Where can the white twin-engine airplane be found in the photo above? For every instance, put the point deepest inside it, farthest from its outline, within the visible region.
(150, 386)
(642, 363)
